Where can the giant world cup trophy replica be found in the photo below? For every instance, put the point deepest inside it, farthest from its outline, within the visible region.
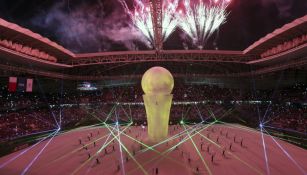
(157, 84)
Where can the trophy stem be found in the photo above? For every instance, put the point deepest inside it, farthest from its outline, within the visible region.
(157, 108)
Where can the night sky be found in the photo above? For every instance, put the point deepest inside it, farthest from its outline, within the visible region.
(101, 25)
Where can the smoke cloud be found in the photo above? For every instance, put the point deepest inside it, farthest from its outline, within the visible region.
(89, 28)
(284, 6)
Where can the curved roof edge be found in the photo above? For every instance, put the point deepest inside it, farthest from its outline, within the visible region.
(18, 29)
(300, 50)
(11, 54)
(276, 32)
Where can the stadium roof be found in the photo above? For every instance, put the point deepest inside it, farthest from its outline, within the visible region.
(25, 36)
(75, 64)
(289, 31)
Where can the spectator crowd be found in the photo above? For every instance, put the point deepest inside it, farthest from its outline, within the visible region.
(25, 114)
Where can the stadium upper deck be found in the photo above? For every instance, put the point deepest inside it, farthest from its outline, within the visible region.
(24, 51)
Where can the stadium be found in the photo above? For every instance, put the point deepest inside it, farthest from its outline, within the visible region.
(153, 87)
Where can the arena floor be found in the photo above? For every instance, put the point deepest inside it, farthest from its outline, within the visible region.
(190, 149)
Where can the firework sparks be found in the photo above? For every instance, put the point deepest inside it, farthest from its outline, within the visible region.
(199, 20)
(141, 17)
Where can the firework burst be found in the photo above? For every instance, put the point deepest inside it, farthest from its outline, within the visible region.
(200, 19)
(141, 17)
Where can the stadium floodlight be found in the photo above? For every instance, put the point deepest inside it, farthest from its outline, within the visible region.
(181, 122)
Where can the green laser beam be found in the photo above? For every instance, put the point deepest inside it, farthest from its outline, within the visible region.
(139, 165)
(201, 157)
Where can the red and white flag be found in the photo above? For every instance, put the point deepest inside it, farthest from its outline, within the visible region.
(12, 84)
(29, 85)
